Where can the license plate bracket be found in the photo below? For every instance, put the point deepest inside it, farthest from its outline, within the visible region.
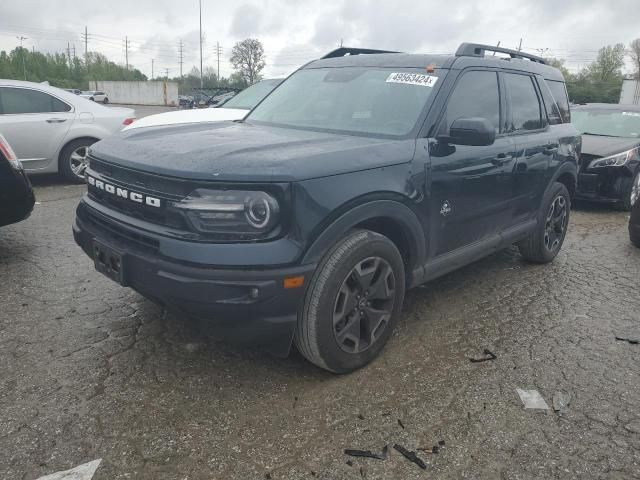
(109, 262)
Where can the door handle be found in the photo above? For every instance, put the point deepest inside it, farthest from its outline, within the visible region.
(56, 120)
(501, 159)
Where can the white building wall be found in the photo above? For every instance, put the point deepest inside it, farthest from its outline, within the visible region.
(630, 94)
(139, 93)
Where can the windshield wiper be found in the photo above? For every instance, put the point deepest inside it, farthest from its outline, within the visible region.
(599, 134)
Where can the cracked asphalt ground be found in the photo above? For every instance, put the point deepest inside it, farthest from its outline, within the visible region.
(92, 370)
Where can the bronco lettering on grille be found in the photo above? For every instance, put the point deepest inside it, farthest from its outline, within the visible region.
(123, 192)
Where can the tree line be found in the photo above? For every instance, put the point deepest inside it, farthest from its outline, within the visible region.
(66, 71)
(601, 80)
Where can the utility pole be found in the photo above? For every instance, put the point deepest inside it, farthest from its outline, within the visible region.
(340, 43)
(166, 73)
(218, 53)
(86, 47)
(126, 51)
(201, 73)
(181, 55)
(69, 54)
(152, 68)
(520, 46)
(24, 65)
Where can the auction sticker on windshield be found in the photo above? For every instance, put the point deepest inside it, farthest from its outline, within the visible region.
(412, 79)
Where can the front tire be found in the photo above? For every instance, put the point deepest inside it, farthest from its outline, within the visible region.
(545, 242)
(105, 101)
(352, 303)
(73, 159)
(631, 194)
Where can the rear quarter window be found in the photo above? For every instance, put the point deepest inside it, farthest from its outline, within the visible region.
(559, 92)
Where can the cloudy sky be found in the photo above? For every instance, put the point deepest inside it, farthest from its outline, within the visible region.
(294, 32)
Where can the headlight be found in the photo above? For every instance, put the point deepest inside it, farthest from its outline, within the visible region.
(252, 214)
(616, 160)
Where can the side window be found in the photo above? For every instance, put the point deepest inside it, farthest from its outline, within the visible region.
(553, 111)
(525, 106)
(476, 95)
(24, 100)
(559, 91)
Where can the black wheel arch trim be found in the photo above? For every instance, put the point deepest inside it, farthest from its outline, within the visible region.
(393, 210)
(566, 167)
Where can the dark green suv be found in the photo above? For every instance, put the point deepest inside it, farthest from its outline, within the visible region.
(361, 175)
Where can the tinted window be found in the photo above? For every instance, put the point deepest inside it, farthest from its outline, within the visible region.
(372, 101)
(525, 107)
(553, 112)
(476, 95)
(559, 91)
(24, 100)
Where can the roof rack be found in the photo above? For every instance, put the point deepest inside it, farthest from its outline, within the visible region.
(477, 50)
(342, 51)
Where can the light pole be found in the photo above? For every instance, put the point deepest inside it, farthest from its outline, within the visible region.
(201, 79)
(24, 67)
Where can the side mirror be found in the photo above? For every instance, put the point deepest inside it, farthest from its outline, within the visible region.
(471, 131)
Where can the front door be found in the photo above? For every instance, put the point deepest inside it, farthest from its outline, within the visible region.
(471, 187)
(34, 123)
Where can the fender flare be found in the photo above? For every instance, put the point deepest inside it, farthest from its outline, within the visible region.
(566, 167)
(391, 209)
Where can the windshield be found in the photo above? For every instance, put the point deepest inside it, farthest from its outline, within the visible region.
(251, 96)
(610, 123)
(356, 100)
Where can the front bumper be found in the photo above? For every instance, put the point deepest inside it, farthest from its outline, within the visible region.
(245, 306)
(605, 184)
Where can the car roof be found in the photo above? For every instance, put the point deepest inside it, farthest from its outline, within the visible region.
(453, 62)
(607, 106)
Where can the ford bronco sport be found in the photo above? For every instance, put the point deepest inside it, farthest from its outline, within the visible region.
(360, 176)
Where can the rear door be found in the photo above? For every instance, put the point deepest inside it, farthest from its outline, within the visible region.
(536, 143)
(471, 186)
(35, 123)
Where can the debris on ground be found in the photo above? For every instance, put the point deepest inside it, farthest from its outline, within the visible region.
(360, 416)
(434, 449)
(561, 401)
(441, 443)
(81, 472)
(489, 356)
(631, 340)
(411, 456)
(532, 399)
(350, 463)
(368, 453)
(401, 424)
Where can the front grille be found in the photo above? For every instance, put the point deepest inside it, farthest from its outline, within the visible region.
(121, 233)
(166, 189)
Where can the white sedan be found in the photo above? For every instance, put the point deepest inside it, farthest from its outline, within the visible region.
(235, 108)
(51, 130)
(96, 96)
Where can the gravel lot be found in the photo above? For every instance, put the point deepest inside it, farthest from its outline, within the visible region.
(92, 370)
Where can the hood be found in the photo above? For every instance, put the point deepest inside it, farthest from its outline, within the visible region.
(605, 146)
(189, 116)
(238, 151)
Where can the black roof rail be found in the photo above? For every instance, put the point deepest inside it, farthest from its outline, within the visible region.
(477, 50)
(342, 51)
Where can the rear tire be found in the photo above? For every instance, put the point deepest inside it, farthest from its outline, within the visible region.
(105, 101)
(72, 161)
(635, 239)
(352, 303)
(545, 242)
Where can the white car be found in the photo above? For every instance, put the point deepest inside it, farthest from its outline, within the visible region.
(96, 96)
(51, 129)
(235, 108)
